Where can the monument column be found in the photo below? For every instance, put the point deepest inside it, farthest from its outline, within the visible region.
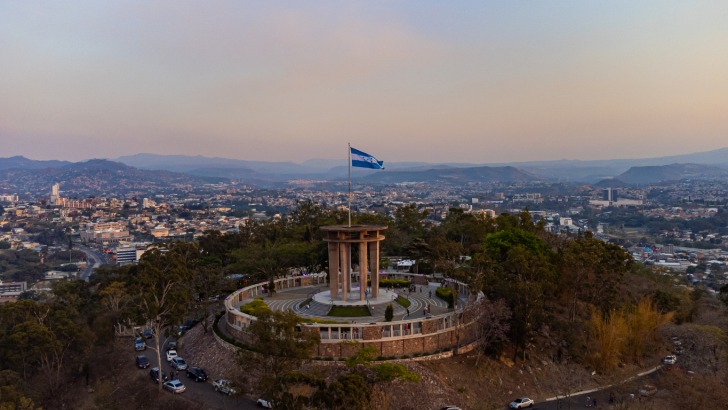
(363, 266)
(345, 271)
(349, 270)
(334, 269)
(374, 267)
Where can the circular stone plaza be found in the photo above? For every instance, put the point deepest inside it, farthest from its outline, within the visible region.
(425, 328)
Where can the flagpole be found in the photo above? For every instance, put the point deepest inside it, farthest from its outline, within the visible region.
(349, 156)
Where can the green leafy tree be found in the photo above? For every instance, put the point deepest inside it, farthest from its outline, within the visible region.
(358, 381)
(207, 284)
(46, 340)
(161, 289)
(591, 273)
(12, 396)
(444, 254)
(419, 250)
(348, 391)
(407, 226)
(466, 229)
(279, 346)
(518, 268)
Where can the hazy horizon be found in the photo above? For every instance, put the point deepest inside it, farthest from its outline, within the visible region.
(475, 82)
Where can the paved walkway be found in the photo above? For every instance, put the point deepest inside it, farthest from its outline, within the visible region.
(291, 299)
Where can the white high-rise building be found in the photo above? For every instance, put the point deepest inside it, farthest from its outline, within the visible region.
(55, 197)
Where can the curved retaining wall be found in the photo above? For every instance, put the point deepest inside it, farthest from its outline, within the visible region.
(392, 339)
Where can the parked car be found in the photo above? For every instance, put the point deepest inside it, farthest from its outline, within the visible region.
(190, 323)
(175, 386)
(179, 363)
(148, 334)
(450, 407)
(267, 404)
(678, 350)
(142, 362)
(140, 344)
(171, 354)
(172, 344)
(671, 359)
(521, 402)
(224, 386)
(154, 374)
(197, 373)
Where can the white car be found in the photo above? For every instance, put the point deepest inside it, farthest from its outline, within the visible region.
(521, 402)
(671, 359)
(171, 354)
(266, 404)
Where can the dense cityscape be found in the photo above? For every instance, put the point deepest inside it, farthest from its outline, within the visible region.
(676, 230)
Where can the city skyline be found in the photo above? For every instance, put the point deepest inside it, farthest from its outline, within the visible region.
(456, 82)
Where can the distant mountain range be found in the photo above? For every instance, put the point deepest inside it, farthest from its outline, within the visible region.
(560, 170)
(97, 177)
(454, 175)
(19, 162)
(672, 172)
(167, 173)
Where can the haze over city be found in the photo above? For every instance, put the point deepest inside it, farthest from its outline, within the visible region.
(407, 81)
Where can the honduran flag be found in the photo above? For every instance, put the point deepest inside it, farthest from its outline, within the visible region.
(364, 160)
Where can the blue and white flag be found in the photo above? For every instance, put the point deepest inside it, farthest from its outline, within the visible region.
(364, 160)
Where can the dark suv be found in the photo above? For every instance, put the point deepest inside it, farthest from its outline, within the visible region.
(197, 374)
(142, 361)
(154, 374)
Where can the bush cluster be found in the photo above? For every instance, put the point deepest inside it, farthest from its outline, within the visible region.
(255, 308)
(446, 295)
(393, 283)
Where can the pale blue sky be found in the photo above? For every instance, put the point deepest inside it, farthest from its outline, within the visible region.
(431, 81)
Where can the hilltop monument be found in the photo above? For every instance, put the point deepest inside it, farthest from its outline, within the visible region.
(342, 240)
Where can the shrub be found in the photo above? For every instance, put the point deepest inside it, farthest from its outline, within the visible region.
(446, 295)
(387, 372)
(394, 283)
(389, 313)
(255, 308)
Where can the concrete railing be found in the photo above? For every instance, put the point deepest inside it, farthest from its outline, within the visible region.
(396, 338)
(239, 320)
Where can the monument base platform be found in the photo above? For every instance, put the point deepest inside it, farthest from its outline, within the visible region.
(353, 298)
